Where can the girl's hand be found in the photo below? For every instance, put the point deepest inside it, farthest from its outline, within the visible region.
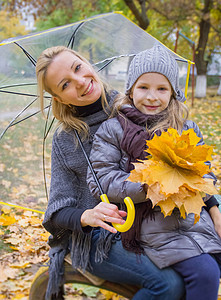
(216, 217)
(102, 213)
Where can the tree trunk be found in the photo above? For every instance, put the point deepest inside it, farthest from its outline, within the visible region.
(201, 83)
(140, 16)
(201, 63)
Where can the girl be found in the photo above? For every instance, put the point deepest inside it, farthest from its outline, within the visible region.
(74, 218)
(152, 104)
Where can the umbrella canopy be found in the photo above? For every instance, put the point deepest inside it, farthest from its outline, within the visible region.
(108, 41)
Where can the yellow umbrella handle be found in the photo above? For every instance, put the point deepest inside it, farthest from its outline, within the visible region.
(130, 214)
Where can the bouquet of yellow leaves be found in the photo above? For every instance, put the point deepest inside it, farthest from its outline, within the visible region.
(174, 172)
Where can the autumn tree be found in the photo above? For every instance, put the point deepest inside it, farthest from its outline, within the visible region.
(199, 19)
(54, 13)
(10, 25)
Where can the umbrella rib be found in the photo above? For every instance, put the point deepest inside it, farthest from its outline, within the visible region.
(37, 112)
(49, 128)
(33, 61)
(126, 55)
(71, 41)
(17, 93)
(19, 84)
(22, 94)
(114, 57)
(107, 63)
(43, 149)
(12, 121)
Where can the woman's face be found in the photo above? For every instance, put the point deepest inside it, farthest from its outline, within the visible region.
(72, 80)
(151, 93)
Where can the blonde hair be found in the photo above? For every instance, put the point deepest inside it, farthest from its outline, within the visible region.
(62, 112)
(177, 113)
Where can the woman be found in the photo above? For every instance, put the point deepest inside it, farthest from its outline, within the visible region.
(76, 220)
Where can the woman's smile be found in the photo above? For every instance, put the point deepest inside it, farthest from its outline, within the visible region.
(89, 89)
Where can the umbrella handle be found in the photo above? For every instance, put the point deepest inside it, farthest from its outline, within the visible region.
(130, 214)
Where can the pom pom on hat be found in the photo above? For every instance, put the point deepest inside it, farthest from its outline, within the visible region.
(155, 60)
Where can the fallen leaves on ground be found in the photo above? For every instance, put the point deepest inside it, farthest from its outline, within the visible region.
(206, 113)
(27, 251)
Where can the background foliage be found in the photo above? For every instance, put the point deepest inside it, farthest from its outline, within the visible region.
(199, 20)
(23, 246)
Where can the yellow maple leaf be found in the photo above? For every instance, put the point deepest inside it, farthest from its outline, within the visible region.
(166, 206)
(6, 220)
(154, 193)
(206, 186)
(45, 236)
(109, 295)
(174, 172)
(188, 157)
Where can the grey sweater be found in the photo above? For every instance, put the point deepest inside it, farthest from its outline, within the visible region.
(69, 189)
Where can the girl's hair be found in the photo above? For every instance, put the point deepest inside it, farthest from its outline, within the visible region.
(62, 112)
(177, 113)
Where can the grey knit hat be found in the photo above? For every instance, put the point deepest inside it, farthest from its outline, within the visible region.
(157, 60)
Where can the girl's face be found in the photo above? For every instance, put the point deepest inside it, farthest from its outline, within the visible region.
(151, 93)
(72, 80)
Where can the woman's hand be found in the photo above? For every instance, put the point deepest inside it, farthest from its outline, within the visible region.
(102, 213)
(216, 217)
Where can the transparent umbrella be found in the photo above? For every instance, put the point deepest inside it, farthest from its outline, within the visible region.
(108, 41)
